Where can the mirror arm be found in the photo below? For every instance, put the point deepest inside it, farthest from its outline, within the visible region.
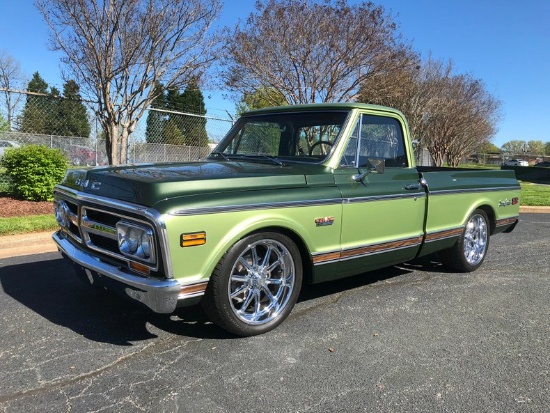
(359, 177)
(378, 168)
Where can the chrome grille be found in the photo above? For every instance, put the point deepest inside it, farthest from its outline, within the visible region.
(97, 222)
(72, 215)
(95, 227)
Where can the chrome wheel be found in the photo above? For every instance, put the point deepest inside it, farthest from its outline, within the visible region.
(475, 239)
(261, 282)
(469, 251)
(255, 284)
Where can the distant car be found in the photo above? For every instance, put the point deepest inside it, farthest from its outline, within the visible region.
(7, 144)
(82, 155)
(544, 164)
(516, 162)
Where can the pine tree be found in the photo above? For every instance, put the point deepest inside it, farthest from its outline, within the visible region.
(156, 120)
(52, 114)
(37, 84)
(171, 135)
(174, 128)
(72, 114)
(34, 116)
(194, 128)
(53, 119)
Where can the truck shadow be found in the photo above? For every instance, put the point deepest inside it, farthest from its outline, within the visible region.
(396, 274)
(50, 289)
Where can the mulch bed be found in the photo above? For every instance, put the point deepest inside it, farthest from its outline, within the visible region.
(11, 207)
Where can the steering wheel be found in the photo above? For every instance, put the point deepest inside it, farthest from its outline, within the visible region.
(317, 144)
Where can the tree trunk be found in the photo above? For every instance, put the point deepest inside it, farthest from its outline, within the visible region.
(123, 150)
(112, 144)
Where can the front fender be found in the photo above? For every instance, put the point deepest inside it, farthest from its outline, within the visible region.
(222, 231)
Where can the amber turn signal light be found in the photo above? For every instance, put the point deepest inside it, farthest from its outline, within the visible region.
(193, 239)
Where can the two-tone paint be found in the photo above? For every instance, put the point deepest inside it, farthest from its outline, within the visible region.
(342, 224)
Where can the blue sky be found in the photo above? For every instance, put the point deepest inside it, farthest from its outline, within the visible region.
(503, 43)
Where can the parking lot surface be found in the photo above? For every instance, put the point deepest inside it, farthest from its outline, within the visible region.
(409, 338)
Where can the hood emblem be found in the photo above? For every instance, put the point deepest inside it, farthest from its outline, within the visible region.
(84, 183)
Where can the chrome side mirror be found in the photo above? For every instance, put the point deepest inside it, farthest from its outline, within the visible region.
(374, 165)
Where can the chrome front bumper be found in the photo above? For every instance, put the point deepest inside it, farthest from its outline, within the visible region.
(160, 296)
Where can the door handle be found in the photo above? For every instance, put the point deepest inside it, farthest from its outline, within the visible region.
(412, 187)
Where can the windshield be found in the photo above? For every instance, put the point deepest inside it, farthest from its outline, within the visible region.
(297, 136)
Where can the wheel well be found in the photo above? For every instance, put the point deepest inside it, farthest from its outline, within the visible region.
(307, 264)
(491, 215)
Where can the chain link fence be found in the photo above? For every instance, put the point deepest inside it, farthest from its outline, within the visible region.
(69, 125)
(161, 135)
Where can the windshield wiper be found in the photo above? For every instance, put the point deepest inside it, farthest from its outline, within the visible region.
(221, 154)
(247, 157)
(270, 158)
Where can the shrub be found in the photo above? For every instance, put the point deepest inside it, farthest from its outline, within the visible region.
(34, 171)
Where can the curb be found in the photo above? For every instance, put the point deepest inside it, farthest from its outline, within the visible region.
(26, 244)
(534, 209)
(41, 242)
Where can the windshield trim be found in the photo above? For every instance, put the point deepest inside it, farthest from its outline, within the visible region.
(280, 159)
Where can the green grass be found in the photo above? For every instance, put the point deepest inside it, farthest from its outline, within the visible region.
(478, 166)
(31, 223)
(535, 195)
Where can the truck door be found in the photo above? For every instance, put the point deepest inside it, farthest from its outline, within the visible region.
(383, 201)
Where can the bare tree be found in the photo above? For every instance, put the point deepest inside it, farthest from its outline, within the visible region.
(535, 147)
(450, 115)
(402, 88)
(514, 147)
(460, 117)
(117, 50)
(311, 51)
(11, 78)
(521, 147)
(474, 115)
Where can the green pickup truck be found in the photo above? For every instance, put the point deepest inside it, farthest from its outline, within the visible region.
(292, 195)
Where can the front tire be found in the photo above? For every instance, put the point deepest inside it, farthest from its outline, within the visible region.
(255, 285)
(470, 250)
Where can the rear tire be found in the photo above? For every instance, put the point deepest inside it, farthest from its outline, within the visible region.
(255, 285)
(470, 250)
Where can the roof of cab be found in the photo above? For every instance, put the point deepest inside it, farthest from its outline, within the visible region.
(322, 106)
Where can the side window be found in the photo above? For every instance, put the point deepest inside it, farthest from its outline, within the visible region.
(380, 138)
(350, 154)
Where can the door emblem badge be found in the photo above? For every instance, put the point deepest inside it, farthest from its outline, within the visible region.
(323, 222)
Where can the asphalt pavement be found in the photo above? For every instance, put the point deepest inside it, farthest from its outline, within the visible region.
(410, 338)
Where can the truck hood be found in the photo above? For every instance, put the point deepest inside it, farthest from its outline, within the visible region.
(148, 184)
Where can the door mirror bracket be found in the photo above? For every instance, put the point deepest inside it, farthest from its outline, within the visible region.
(374, 165)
